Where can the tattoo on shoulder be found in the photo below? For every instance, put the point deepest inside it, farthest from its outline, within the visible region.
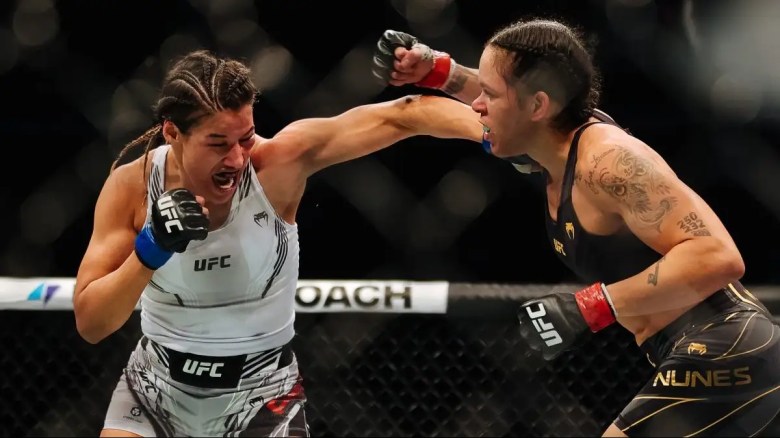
(652, 278)
(692, 224)
(635, 182)
(595, 160)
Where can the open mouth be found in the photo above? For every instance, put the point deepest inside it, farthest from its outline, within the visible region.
(225, 181)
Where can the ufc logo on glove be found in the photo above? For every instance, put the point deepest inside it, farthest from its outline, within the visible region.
(566, 317)
(177, 218)
(165, 205)
(545, 329)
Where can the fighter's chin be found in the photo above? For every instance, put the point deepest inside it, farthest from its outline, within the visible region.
(501, 150)
(497, 151)
(488, 139)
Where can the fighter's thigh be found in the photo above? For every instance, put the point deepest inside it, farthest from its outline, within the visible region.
(117, 433)
(125, 415)
(283, 416)
(614, 431)
(721, 381)
(290, 423)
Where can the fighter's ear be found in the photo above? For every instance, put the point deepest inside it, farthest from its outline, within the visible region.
(170, 132)
(541, 106)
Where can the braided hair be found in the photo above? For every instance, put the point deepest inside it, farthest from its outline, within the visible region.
(197, 85)
(549, 56)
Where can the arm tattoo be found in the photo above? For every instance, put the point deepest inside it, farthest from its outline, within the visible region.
(457, 82)
(589, 182)
(635, 182)
(596, 160)
(652, 278)
(693, 225)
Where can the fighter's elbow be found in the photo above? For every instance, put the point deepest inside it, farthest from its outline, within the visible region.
(88, 331)
(407, 115)
(733, 266)
(724, 261)
(88, 327)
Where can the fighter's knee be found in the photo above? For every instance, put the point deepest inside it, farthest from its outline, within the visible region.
(614, 431)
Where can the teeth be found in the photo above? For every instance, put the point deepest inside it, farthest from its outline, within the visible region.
(228, 184)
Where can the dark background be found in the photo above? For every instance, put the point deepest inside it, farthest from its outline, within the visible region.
(381, 216)
(697, 80)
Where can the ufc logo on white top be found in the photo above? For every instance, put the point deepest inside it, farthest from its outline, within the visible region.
(545, 329)
(165, 204)
(198, 368)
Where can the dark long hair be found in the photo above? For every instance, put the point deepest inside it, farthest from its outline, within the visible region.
(197, 85)
(550, 56)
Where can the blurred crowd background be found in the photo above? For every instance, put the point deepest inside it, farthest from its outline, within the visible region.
(699, 80)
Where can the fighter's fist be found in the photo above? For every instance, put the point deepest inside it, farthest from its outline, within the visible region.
(177, 218)
(400, 59)
(553, 323)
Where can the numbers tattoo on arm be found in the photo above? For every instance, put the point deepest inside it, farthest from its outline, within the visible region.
(692, 224)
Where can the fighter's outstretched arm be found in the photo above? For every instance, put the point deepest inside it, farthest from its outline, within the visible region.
(321, 142)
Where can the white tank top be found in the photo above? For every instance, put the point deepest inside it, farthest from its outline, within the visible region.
(232, 293)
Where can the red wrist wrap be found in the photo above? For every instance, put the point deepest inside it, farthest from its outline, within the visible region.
(594, 307)
(437, 77)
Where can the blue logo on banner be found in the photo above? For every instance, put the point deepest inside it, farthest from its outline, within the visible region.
(43, 292)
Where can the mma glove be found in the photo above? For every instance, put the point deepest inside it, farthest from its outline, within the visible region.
(437, 77)
(384, 56)
(177, 218)
(553, 323)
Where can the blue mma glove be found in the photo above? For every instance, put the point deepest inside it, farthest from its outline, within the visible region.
(177, 218)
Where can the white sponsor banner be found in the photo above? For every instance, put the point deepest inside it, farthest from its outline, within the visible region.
(44, 293)
(384, 296)
(313, 296)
